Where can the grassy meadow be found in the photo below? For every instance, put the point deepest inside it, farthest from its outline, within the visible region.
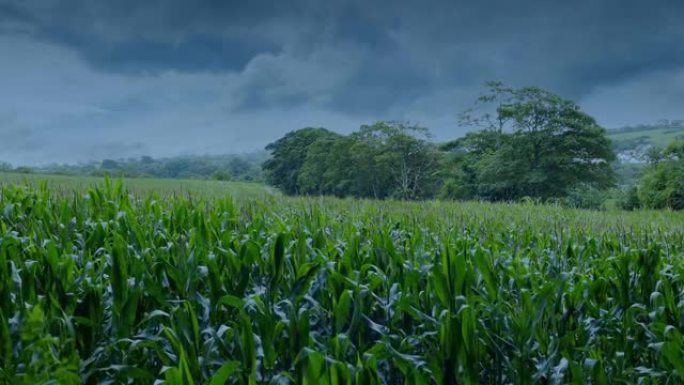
(195, 282)
(660, 136)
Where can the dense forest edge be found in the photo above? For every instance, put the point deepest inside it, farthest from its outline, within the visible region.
(528, 144)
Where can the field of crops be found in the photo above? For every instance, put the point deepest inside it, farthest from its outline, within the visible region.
(143, 186)
(105, 286)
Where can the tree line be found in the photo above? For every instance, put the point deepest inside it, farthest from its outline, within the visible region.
(528, 143)
(243, 167)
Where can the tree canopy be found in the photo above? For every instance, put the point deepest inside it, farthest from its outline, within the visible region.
(662, 184)
(535, 144)
(288, 155)
(383, 160)
(530, 143)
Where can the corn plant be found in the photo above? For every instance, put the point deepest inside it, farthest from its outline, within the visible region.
(106, 286)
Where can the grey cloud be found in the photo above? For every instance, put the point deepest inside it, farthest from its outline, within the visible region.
(14, 136)
(571, 46)
(17, 141)
(147, 37)
(169, 74)
(289, 79)
(642, 99)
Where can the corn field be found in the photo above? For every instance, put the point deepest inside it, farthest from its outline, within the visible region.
(106, 287)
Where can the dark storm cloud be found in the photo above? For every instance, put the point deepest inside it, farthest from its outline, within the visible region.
(193, 53)
(408, 47)
(147, 37)
(273, 63)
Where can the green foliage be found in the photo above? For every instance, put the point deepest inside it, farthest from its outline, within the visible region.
(5, 167)
(535, 145)
(243, 167)
(220, 175)
(144, 186)
(662, 184)
(659, 134)
(408, 161)
(629, 199)
(586, 197)
(24, 170)
(628, 174)
(288, 155)
(383, 160)
(108, 286)
(109, 164)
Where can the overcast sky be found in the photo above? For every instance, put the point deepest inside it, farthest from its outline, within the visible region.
(84, 79)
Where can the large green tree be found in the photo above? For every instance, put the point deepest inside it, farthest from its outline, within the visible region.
(382, 160)
(288, 154)
(407, 162)
(533, 144)
(662, 184)
(328, 168)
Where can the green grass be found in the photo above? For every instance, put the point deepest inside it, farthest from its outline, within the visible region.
(141, 186)
(660, 137)
(104, 286)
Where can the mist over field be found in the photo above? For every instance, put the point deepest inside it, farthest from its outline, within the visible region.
(89, 80)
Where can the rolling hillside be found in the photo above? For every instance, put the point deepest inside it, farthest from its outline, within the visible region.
(631, 143)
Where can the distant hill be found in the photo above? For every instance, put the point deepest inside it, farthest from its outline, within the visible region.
(632, 142)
